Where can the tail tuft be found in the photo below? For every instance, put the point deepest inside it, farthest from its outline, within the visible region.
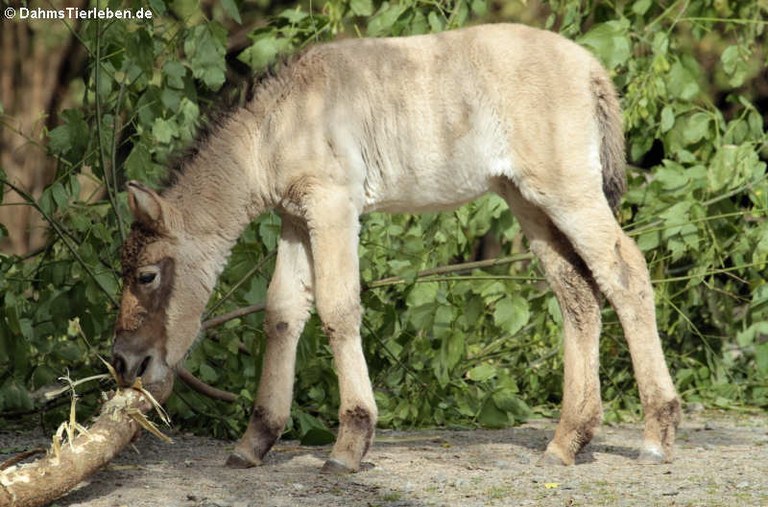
(609, 121)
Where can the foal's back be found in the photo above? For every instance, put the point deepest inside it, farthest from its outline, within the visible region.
(430, 122)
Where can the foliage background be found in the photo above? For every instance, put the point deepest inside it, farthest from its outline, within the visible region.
(476, 346)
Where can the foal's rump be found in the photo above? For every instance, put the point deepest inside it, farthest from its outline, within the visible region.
(430, 122)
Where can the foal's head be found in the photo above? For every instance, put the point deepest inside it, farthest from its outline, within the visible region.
(161, 301)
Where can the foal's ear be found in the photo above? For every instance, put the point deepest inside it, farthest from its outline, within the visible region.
(147, 206)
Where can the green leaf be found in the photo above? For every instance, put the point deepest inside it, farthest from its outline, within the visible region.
(491, 416)
(207, 373)
(71, 137)
(294, 16)
(436, 22)
(667, 118)
(610, 42)
(722, 171)
(553, 309)
(507, 401)
(311, 430)
(140, 166)
(452, 350)
(174, 73)
(479, 7)
(677, 214)
(481, 373)
(317, 436)
(188, 114)
(361, 7)
(60, 196)
(747, 337)
(205, 47)
(735, 61)
(68, 351)
(696, 127)
(671, 176)
(381, 23)
(139, 51)
(163, 130)
(682, 80)
(511, 314)
(59, 139)
(230, 7)
(443, 322)
(264, 50)
(158, 7)
(761, 357)
(15, 397)
(422, 294)
(641, 7)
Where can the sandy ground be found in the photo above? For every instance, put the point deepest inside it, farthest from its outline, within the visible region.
(722, 460)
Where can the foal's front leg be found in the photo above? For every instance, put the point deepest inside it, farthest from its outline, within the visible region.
(333, 228)
(289, 300)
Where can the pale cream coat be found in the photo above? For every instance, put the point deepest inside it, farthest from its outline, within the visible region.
(402, 124)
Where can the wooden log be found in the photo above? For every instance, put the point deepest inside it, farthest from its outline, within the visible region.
(43, 481)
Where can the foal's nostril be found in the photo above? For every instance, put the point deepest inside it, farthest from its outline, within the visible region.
(143, 366)
(118, 363)
(128, 367)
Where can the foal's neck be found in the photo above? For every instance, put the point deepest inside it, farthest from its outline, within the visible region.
(218, 192)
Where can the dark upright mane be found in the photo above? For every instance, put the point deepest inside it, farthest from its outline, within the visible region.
(235, 95)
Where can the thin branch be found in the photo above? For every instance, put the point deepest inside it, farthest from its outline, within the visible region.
(113, 163)
(451, 269)
(393, 280)
(203, 388)
(111, 187)
(240, 312)
(63, 235)
(234, 288)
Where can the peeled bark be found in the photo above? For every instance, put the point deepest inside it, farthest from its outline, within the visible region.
(45, 480)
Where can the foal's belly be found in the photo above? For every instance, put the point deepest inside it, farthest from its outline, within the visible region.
(437, 186)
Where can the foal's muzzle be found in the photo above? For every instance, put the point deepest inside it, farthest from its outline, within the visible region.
(131, 362)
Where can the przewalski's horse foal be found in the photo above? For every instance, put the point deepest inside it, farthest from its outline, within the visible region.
(400, 124)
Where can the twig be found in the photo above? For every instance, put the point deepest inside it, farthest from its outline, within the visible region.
(111, 187)
(215, 393)
(453, 268)
(240, 312)
(392, 280)
(203, 388)
(236, 286)
(62, 233)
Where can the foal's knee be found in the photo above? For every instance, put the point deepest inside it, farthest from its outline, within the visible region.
(340, 320)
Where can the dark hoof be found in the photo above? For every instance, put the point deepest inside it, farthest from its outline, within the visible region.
(336, 467)
(236, 460)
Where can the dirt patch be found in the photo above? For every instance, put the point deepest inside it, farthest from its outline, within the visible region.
(722, 459)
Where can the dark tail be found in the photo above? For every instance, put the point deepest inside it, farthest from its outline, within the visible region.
(608, 113)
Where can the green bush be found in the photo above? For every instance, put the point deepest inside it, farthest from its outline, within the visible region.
(477, 347)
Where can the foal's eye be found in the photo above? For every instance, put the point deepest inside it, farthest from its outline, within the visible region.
(147, 277)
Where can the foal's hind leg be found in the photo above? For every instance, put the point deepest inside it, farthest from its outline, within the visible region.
(289, 299)
(579, 300)
(620, 271)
